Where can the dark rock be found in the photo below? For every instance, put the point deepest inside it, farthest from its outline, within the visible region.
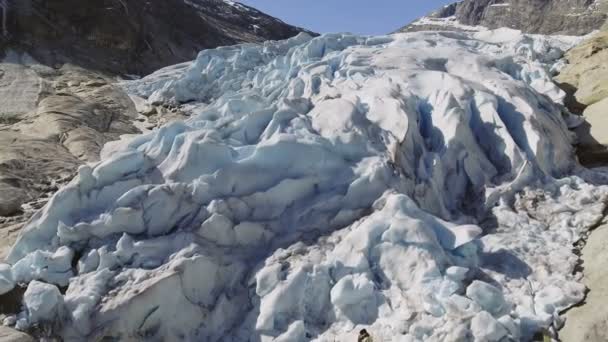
(134, 36)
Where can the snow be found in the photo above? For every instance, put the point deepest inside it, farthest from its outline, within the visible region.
(54, 267)
(422, 186)
(450, 23)
(354, 297)
(235, 4)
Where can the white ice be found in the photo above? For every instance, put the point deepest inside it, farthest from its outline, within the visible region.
(420, 185)
(7, 282)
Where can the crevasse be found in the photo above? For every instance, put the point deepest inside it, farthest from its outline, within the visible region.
(420, 185)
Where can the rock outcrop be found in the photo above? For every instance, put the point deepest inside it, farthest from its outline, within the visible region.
(587, 70)
(585, 78)
(10, 335)
(588, 322)
(132, 36)
(572, 17)
(57, 120)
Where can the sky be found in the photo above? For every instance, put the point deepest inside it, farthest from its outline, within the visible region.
(355, 16)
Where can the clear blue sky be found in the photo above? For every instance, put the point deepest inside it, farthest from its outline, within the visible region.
(356, 16)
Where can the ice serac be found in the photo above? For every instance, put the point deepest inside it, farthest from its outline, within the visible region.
(414, 184)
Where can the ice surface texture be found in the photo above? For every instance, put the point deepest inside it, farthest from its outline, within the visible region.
(323, 185)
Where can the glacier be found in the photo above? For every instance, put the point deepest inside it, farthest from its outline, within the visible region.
(420, 185)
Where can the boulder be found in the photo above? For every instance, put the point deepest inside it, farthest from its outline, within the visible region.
(596, 116)
(11, 335)
(73, 114)
(585, 80)
(587, 70)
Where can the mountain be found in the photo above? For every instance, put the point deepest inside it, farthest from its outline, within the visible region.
(568, 17)
(133, 36)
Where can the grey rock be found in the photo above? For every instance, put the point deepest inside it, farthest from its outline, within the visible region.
(596, 117)
(572, 17)
(27, 167)
(589, 322)
(585, 80)
(11, 335)
(587, 70)
(77, 111)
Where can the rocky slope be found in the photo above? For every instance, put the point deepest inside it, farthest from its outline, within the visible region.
(56, 120)
(586, 78)
(132, 36)
(571, 17)
(9, 335)
(588, 322)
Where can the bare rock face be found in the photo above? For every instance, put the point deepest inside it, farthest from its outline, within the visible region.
(589, 322)
(571, 17)
(43, 142)
(574, 17)
(585, 79)
(587, 69)
(10, 335)
(134, 36)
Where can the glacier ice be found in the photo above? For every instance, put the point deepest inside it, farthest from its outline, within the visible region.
(486, 328)
(7, 282)
(487, 296)
(420, 185)
(43, 302)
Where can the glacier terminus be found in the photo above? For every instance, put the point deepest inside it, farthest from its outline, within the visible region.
(421, 185)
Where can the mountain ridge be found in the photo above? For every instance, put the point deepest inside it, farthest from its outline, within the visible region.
(133, 37)
(578, 17)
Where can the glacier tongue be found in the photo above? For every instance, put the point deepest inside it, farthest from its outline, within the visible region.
(323, 185)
